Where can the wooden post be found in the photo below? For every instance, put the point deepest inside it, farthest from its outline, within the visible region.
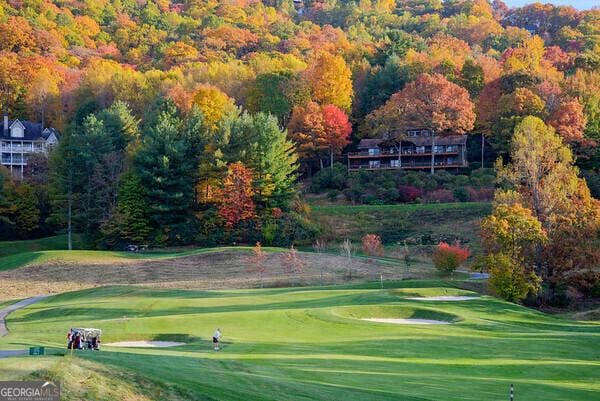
(381, 279)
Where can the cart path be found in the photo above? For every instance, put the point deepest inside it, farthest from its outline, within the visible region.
(11, 308)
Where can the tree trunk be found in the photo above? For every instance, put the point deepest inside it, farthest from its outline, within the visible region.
(432, 153)
(482, 148)
(331, 158)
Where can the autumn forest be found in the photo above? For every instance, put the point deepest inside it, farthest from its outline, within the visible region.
(205, 122)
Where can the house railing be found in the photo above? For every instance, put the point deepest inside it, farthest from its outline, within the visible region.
(405, 152)
(407, 165)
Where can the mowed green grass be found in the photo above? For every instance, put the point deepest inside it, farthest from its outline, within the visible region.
(311, 344)
(56, 242)
(18, 260)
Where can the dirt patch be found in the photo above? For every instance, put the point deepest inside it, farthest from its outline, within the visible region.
(215, 270)
(144, 344)
(406, 321)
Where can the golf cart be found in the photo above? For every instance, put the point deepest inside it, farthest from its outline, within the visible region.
(84, 339)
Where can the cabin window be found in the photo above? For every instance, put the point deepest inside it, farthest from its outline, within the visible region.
(373, 151)
(420, 149)
(374, 164)
(395, 163)
(438, 149)
(425, 132)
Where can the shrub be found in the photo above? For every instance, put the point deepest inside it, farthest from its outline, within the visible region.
(448, 258)
(408, 193)
(330, 178)
(461, 194)
(371, 245)
(483, 177)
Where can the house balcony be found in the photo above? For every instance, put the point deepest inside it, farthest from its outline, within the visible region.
(410, 165)
(20, 149)
(405, 152)
(14, 162)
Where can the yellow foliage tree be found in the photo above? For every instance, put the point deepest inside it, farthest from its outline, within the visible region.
(213, 103)
(330, 81)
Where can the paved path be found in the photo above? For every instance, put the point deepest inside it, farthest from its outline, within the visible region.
(11, 308)
(4, 331)
(17, 352)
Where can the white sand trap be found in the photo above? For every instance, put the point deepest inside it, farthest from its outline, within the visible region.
(406, 321)
(144, 344)
(445, 298)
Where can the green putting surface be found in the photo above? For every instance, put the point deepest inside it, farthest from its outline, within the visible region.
(312, 344)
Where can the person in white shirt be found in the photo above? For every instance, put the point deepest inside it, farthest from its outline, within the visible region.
(216, 338)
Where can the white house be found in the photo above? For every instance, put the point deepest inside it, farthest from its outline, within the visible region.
(20, 138)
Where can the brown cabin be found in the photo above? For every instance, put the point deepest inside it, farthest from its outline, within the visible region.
(415, 153)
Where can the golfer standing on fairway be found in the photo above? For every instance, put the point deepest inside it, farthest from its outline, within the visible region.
(216, 338)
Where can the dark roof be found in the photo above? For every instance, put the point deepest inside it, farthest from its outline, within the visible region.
(32, 132)
(369, 143)
(418, 141)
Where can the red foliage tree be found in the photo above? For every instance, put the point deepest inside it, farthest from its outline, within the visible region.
(337, 129)
(236, 195)
(448, 257)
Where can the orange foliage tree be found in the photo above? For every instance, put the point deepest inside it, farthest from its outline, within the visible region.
(429, 101)
(569, 121)
(236, 193)
(316, 129)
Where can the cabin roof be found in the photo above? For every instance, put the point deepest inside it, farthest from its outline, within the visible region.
(417, 141)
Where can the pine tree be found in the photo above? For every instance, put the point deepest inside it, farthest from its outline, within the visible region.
(132, 209)
(259, 143)
(167, 169)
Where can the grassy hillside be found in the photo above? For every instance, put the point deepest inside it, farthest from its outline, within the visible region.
(203, 268)
(311, 344)
(416, 223)
(57, 242)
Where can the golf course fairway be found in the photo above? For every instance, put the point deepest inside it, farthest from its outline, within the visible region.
(313, 344)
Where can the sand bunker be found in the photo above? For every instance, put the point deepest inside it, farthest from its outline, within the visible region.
(144, 344)
(406, 321)
(445, 298)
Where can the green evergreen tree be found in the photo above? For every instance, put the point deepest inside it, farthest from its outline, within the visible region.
(132, 209)
(167, 169)
(259, 143)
